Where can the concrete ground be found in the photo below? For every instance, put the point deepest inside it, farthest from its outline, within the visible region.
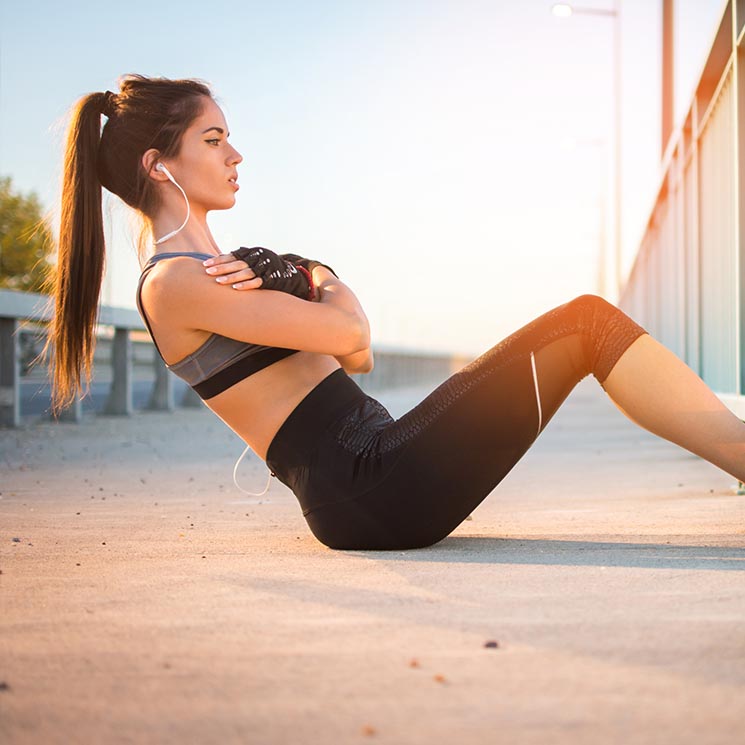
(144, 599)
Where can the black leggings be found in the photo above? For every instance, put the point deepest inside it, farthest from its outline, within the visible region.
(367, 481)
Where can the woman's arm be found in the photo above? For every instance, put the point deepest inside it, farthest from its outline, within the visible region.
(184, 293)
(236, 274)
(357, 362)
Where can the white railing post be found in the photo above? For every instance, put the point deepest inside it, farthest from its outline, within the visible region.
(161, 398)
(10, 394)
(120, 395)
(73, 413)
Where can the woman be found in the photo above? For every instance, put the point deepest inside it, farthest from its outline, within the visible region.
(268, 341)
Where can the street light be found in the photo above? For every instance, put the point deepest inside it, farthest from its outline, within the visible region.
(564, 10)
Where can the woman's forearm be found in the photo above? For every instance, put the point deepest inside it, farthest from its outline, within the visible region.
(329, 289)
(334, 292)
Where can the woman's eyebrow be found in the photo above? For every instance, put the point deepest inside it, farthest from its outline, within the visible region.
(219, 129)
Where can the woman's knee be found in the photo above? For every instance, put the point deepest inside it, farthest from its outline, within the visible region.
(607, 328)
(592, 304)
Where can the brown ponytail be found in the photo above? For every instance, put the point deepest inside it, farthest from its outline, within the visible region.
(147, 113)
(80, 262)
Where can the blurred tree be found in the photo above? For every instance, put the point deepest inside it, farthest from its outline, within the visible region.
(25, 240)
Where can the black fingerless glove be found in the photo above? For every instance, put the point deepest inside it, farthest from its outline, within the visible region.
(276, 272)
(308, 264)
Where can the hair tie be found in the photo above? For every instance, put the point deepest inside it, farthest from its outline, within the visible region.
(109, 104)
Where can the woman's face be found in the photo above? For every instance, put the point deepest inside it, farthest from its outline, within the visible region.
(206, 165)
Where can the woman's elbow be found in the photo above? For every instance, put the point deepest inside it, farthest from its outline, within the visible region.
(358, 362)
(359, 336)
(364, 341)
(368, 365)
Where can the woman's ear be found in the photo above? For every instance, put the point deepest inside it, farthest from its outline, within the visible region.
(149, 161)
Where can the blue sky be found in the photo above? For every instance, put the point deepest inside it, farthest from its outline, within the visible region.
(417, 146)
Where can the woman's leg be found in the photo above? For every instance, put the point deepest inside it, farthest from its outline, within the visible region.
(408, 483)
(411, 481)
(659, 392)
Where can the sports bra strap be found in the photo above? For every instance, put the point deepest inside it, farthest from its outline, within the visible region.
(172, 254)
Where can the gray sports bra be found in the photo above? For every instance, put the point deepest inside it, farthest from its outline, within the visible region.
(220, 362)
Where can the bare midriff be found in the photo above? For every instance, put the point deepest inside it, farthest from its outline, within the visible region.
(256, 407)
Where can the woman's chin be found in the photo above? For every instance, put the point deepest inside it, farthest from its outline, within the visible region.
(225, 204)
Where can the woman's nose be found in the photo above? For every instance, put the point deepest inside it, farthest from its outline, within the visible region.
(237, 157)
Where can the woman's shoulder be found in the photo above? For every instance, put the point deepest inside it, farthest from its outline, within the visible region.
(167, 267)
(162, 291)
(164, 260)
(165, 281)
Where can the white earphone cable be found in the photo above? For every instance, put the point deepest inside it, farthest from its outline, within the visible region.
(161, 167)
(235, 480)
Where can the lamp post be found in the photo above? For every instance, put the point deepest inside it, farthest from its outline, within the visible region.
(563, 10)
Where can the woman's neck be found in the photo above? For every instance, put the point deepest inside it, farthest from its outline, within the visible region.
(195, 237)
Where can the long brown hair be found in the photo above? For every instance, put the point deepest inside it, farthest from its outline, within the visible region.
(146, 113)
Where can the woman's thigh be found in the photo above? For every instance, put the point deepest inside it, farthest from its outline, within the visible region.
(432, 467)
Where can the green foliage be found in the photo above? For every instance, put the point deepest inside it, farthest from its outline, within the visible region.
(25, 240)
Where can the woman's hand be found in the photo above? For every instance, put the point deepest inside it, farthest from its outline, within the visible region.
(228, 270)
(264, 269)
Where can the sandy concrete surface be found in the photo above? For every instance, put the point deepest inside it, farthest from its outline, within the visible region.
(144, 599)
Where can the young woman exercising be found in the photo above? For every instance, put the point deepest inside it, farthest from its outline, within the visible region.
(268, 341)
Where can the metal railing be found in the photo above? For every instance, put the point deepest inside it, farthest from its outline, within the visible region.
(687, 282)
(119, 356)
(19, 307)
